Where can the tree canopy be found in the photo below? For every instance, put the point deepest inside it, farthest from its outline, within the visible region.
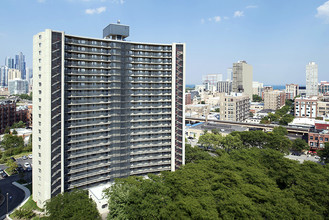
(72, 205)
(240, 184)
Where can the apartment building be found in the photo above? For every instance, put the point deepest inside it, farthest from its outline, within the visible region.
(317, 139)
(324, 88)
(311, 79)
(292, 90)
(7, 114)
(323, 109)
(257, 88)
(306, 107)
(104, 109)
(224, 86)
(14, 74)
(234, 107)
(242, 78)
(274, 99)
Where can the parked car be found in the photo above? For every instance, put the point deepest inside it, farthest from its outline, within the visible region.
(24, 157)
(30, 156)
(19, 168)
(3, 174)
(27, 165)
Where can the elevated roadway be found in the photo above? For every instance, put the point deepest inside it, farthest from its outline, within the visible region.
(264, 127)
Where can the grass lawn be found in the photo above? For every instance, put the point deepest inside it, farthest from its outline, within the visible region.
(9, 173)
(30, 204)
(21, 154)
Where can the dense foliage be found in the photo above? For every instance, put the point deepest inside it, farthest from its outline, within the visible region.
(241, 184)
(256, 98)
(72, 205)
(324, 153)
(237, 140)
(281, 116)
(25, 96)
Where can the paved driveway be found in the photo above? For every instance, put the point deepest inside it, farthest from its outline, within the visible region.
(15, 195)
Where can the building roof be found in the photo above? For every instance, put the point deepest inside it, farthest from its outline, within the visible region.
(224, 128)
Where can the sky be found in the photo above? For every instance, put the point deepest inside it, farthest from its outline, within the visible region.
(278, 37)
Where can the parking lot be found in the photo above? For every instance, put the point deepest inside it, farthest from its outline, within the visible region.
(18, 161)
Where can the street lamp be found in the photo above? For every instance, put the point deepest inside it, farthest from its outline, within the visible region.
(7, 203)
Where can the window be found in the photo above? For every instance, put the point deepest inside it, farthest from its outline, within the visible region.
(39, 131)
(39, 115)
(39, 170)
(39, 99)
(39, 91)
(39, 52)
(40, 77)
(40, 36)
(39, 68)
(39, 60)
(39, 146)
(39, 107)
(39, 154)
(39, 83)
(39, 138)
(39, 123)
(39, 44)
(39, 162)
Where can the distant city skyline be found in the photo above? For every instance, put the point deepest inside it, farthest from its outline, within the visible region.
(278, 38)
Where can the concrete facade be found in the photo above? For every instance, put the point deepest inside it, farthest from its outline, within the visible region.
(242, 78)
(234, 107)
(104, 109)
(306, 107)
(274, 99)
(311, 79)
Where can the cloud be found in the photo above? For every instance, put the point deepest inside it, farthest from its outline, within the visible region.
(252, 6)
(92, 11)
(214, 19)
(118, 1)
(323, 11)
(226, 18)
(238, 14)
(41, 1)
(217, 18)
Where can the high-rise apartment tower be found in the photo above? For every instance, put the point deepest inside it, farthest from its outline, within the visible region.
(242, 78)
(311, 79)
(104, 109)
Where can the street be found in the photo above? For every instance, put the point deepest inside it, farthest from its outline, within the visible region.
(15, 195)
(302, 158)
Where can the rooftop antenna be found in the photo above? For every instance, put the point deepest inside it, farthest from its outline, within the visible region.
(118, 22)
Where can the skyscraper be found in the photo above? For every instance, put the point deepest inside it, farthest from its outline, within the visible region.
(4, 76)
(242, 78)
(20, 64)
(311, 79)
(104, 109)
(10, 63)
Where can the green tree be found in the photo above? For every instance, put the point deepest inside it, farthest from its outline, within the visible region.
(324, 153)
(299, 145)
(22, 213)
(7, 130)
(286, 119)
(256, 98)
(72, 205)
(12, 141)
(14, 132)
(280, 131)
(12, 166)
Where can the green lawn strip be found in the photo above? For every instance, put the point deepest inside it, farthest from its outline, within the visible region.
(9, 173)
(30, 204)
